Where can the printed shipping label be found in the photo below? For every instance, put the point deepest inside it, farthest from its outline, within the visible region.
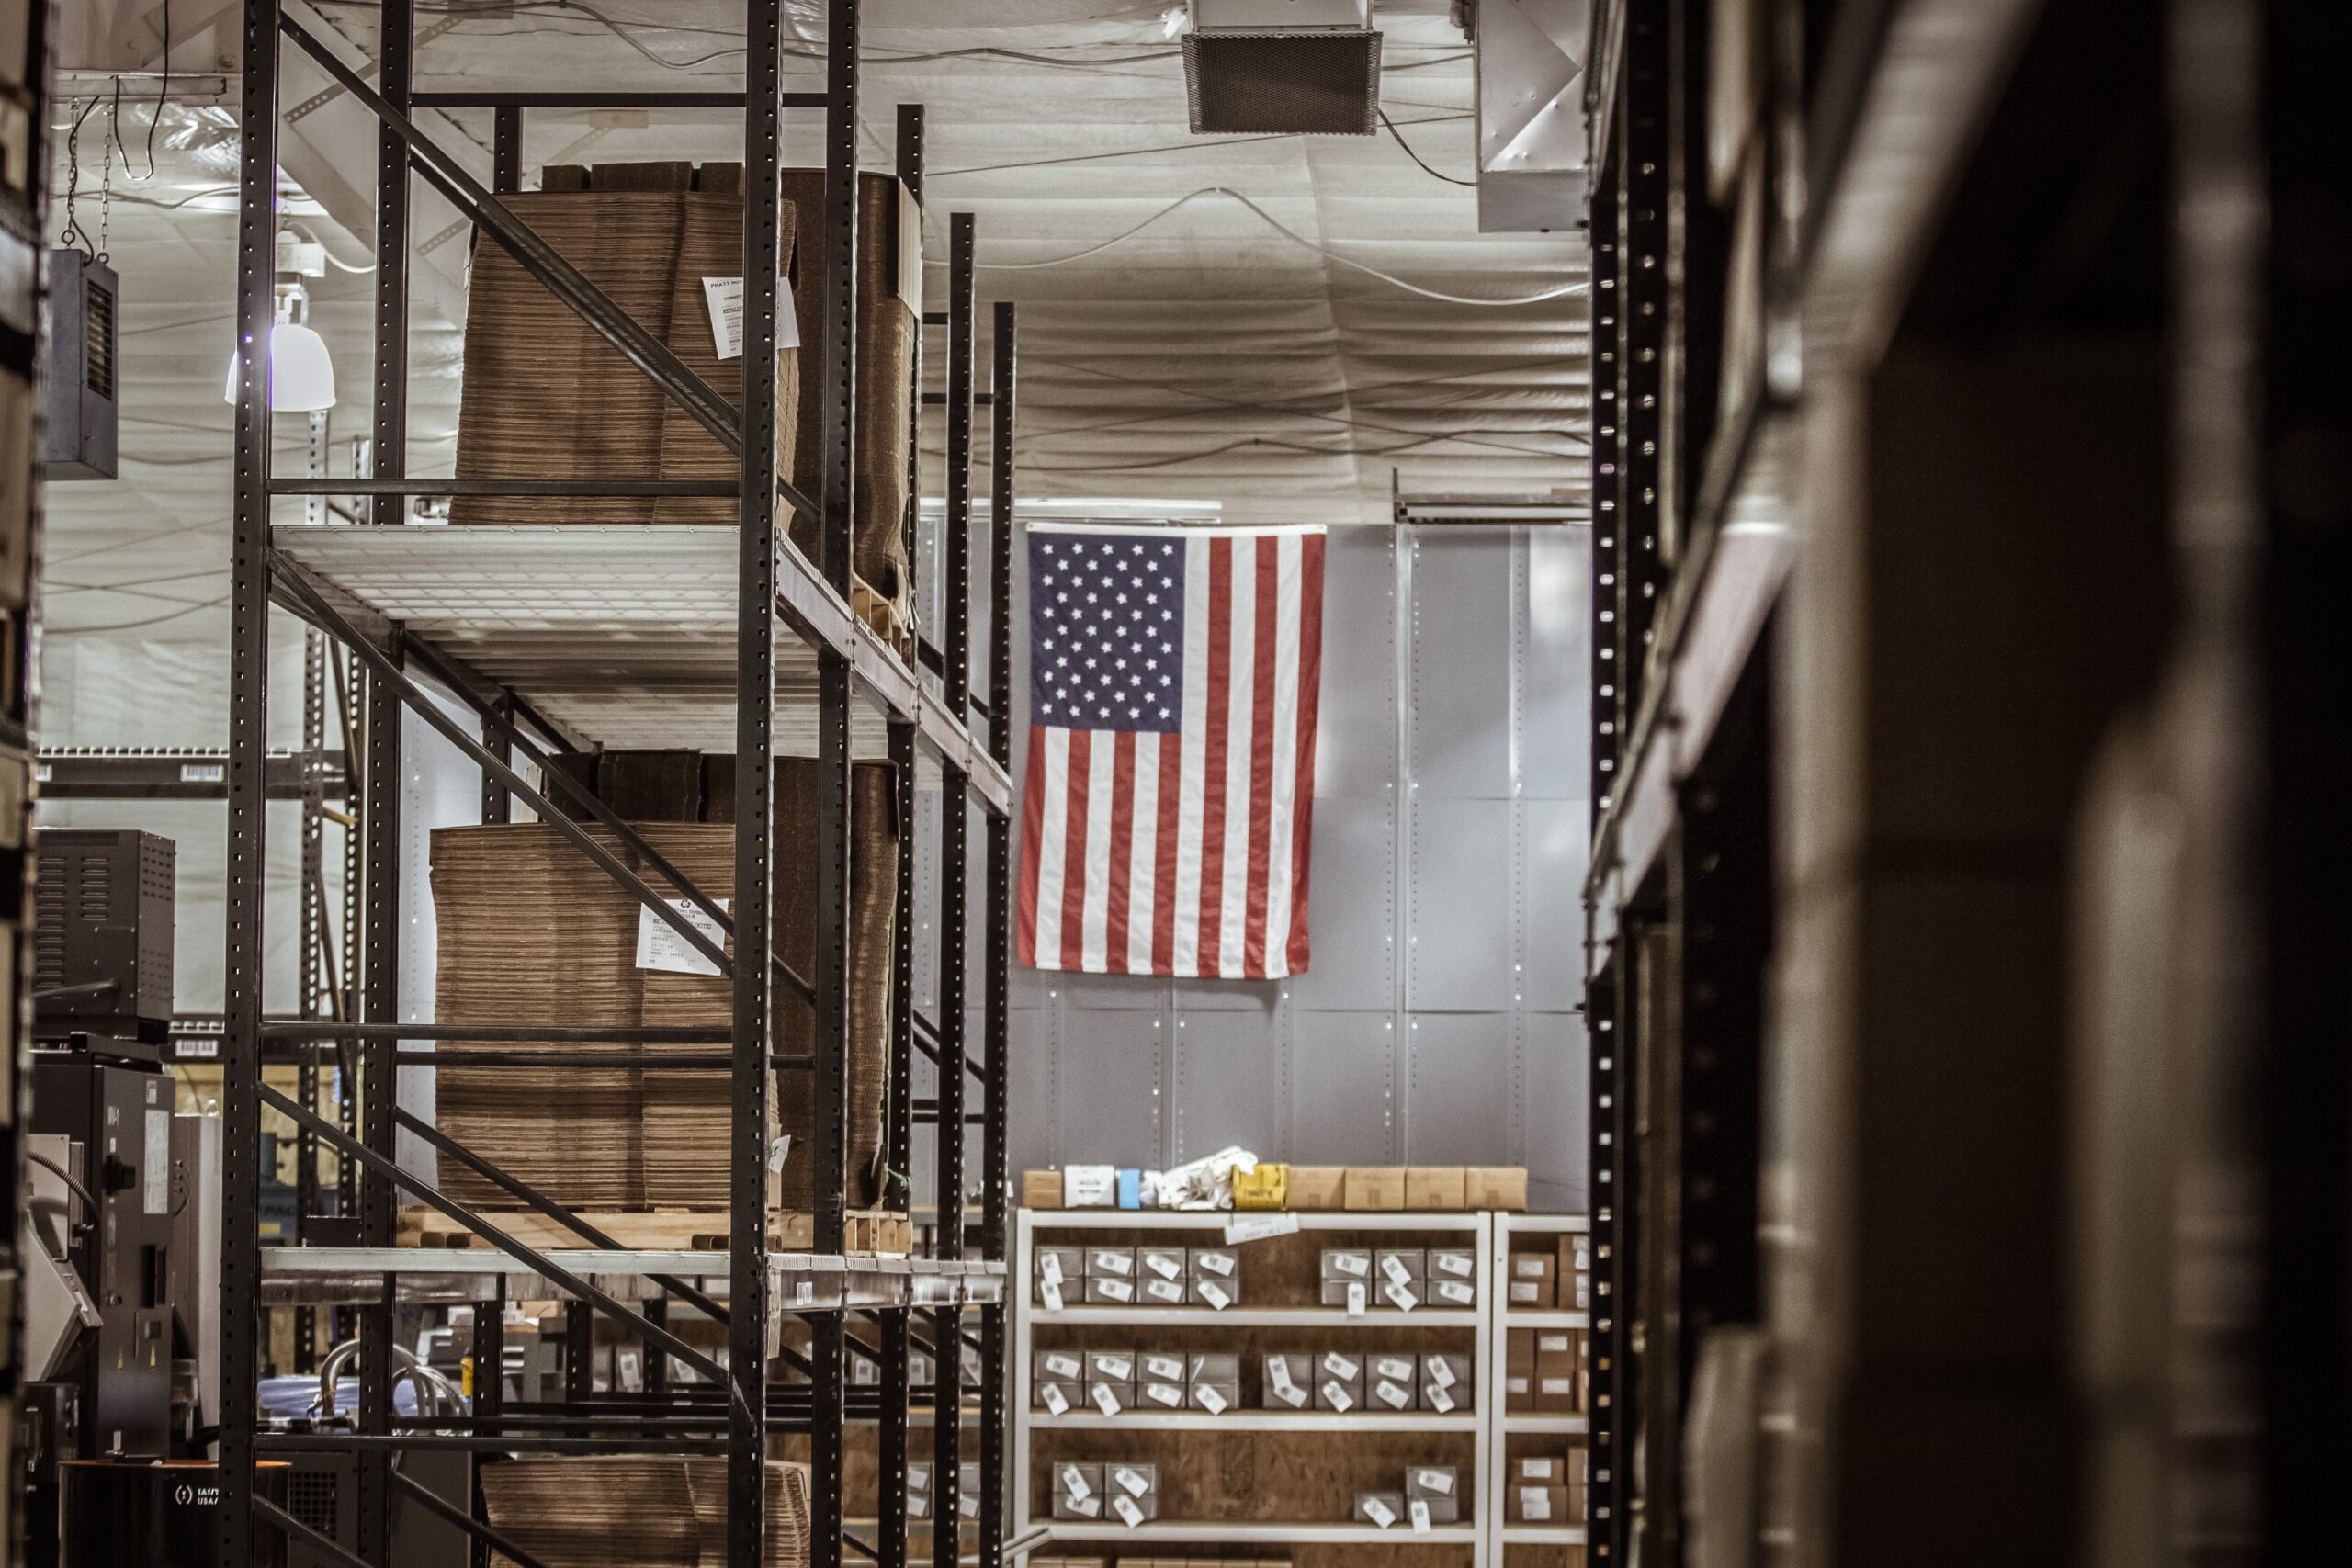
(1217, 1263)
(1051, 1296)
(1336, 1396)
(1074, 1484)
(1168, 1290)
(1351, 1264)
(1378, 1512)
(1420, 1508)
(1104, 1399)
(1393, 1396)
(1437, 1480)
(1394, 1266)
(1214, 1295)
(659, 947)
(1206, 1397)
(1127, 1510)
(724, 296)
(1404, 1299)
(1439, 1400)
(1056, 1404)
(1340, 1366)
(1355, 1298)
(1134, 1482)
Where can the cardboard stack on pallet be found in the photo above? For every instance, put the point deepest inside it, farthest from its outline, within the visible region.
(635, 1512)
(546, 396)
(530, 929)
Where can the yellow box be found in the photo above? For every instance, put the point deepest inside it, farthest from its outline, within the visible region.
(1265, 1188)
(1374, 1188)
(1314, 1186)
(1438, 1188)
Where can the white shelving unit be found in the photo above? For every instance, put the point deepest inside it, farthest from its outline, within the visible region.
(1493, 1462)
(1472, 1228)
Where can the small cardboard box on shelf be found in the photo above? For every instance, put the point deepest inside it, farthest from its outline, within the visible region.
(1315, 1188)
(1574, 1286)
(1518, 1370)
(1289, 1380)
(1168, 1263)
(1446, 1383)
(1392, 1382)
(1439, 1189)
(1213, 1275)
(1537, 1506)
(1339, 1382)
(1373, 1189)
(1531, 1279)
(1091, 1186)
(1501, 1187)
(1452, 1278)
(1059, 1276)
(1077, 1490)
(1438, 1488)
(1386, 1509)
(1041, 1189)
(1109, 1292)
(1215, 1381)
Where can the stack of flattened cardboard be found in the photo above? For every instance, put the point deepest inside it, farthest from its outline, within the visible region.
(636, 1512)
(531, 931)
(546, 396)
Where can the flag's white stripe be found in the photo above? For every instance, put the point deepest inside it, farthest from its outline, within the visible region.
(1053, 845)
(1143, 864)
(1278, 803)
(1101, 761)
(1233, 903)
(1186, 958)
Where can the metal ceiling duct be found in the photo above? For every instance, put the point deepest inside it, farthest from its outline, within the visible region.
(1530, 114)
(1282, 67)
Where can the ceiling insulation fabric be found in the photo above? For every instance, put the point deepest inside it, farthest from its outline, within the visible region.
(1283, 325)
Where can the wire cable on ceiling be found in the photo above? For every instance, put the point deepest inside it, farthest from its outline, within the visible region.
(1399, 137)
(1295, 238)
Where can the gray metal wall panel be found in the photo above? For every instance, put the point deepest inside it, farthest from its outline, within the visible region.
(1113, 993)
(1459, 1108)
(1555, 1113)
(1556, 847)
(1355, 742)
(1459, 949)
(1258, 996)
(1341, 1089)
(1110, 1086)
(1033, 1130)
(1462, 658)
(1230, 1087)
(927, 840)
(1556, 736)
(1353, 907)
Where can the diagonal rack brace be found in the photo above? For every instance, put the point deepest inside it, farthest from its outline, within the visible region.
(540, 1263)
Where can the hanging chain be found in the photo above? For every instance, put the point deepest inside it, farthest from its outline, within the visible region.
(73, 234)
(106, 176)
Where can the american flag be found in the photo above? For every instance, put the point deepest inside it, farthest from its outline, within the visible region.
(1168, 812)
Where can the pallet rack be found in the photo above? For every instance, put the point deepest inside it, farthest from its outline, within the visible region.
(349, 582)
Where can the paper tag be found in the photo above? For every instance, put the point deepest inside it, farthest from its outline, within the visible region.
(1214, 1295)
(1117, 1290)
(724, 296)
(1355, 1298)
(1064, 1366)
(968, 1505)
(1341, 1366)
(1074, 1484)
(1351, 1264)
(1131, 1481)
(1164, 1369)
(1258, 1228)
(1206, 1397)
(1534, 1503)
(1378, 1512)
(1441, 1372)
(1439, 1400)
(1278, 1375)
(1167, 1267)
(1437, 1480)
(1089, 1506)
(1396, 1369)
(1113, 1263)
(1291, 1394)
(659, 947)
(1051, 1294)
(779, 1150)
(1126, 1508)
(1455, 1263)
(1104, 1399)
(1055, 1403)
(1335, 1394)
(1522, 1291)
(1165, 1394)
(1049, 1269)
(1117, 1369)
(1394, 1266)
(1420, 1510)
(1406, 1300)
(1217, 1263)
(1535, 1469)
(1456, 1291)
(1393, 1396)
(1168, 1290)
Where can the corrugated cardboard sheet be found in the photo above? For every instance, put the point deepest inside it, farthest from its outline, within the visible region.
(635, 1512)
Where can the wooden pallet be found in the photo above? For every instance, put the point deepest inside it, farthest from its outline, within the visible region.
(870, 1232)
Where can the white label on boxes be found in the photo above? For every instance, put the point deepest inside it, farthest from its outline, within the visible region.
(1336, 1394)
(1117, 1369)
(1164, 1369)
(1393, 1395)
(1441, 1401)
(1112, 1261)
(1455, 1263)
(1555, 1387)
(1206, 1397)
(1394, 1266)
(1217, 1263)
(1089, 1186)
(1258, 1228)
(1049, 1269)
(1168, 1290)
(1134, 1482)
(659, 947)
(1340, 1366)
(1056, 1404)
(1528, 1264)
(1420, 1510)
(1535, 1469)
(1126, 1508)
(1166, 1393)
(1514, 1383)
(724, 296)
(1051, 1294)
(1535, 1505)
(1441, 1372)
(1378, 1512)
(1458, 1291)
(1355, 1298)
(1522, 1291)
(1167, 1267)
(1553, 1344)
(1404, 1299)
(968, 1505)
(1437, 1480)
(1214, 1295)
(1351, 1264)
(1397, 1368)
(1278, 1374)
(1089, 1506)
(1291, 1394)
(1074, 1484)
(1104, 1399)
(1064, 1366)
(1117, 1290)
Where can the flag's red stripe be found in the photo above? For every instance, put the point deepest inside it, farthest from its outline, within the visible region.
(1033, 842)
(1310, 684)
(1163, 876)
(1262, 759)
(1211, 913)
(1121, 869)
(1073, 954)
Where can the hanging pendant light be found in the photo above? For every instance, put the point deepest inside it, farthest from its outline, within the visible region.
(301, 376)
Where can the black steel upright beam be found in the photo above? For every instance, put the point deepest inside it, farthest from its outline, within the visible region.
(836, 386)
(310, 902)
(898, 1152)
(749, 1133)
(954, 906)
(248, 785)
(1606, 1453)
(1608, 491)
(1640, 181)
(507, 150)
(997, 1025)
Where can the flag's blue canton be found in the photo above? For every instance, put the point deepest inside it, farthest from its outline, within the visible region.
(1106, 629)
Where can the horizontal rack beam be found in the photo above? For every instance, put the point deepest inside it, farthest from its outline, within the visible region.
(478, 99)
(175, 773)
(1252, 1421)
(1212, 1532)
(1262, 1317)
(1308, 1219)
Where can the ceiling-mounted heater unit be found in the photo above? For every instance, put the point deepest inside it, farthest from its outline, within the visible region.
(1282, 67)
(82, 389)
